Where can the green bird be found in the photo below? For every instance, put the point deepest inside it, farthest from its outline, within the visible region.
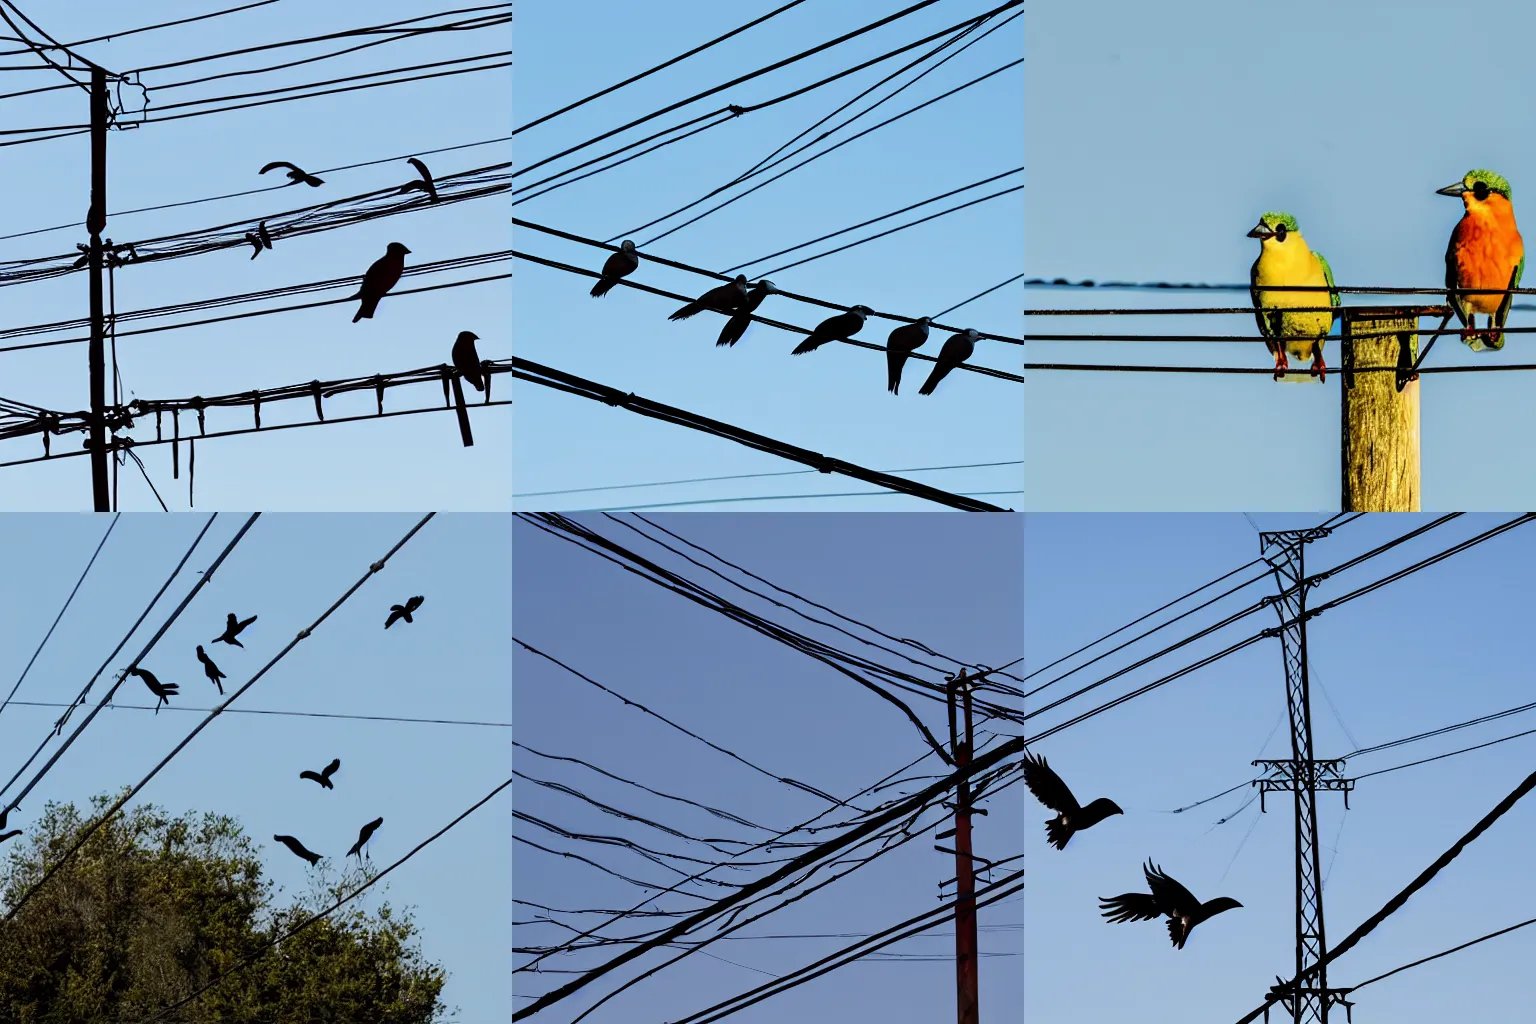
(1286, 261)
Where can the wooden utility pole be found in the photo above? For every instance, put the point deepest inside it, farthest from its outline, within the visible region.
(961, 748)
(1380, 423)
(95, 223)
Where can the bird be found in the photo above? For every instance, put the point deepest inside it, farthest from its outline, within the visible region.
(259, 239)
(727, 298)
(467, 361)
(834, 328)
(323, 776)
(364, 834)
(1071, 818)
(299, 849)
(233, 627)
(426, 184)
(902, 342)
(295, 173)
(621, 264)
(957, 349)
(1285, 261)
(380, 278)
(1167, 897)
(403, 611)
(210, 669)
(1485, 251)
(164, 691)
(740, 320)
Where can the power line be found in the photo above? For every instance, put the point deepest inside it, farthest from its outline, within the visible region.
(1445, 952)
(754, 476)
(978, 295)
(272, 711)
(151, 28)
(778, 497)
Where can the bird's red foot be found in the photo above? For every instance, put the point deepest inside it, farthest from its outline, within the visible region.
(1319, 368)
(1281, 365)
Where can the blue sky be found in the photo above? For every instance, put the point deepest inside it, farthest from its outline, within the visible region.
(833, 401)
(1156, 139)
(386, 464)
(1438, 647)
(909, 575)
(451, 663)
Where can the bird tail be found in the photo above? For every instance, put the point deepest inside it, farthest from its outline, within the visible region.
(894, 361)
(731, 333)
(810, 344)
(1177, 932)
(603, 286)
(365, 310)
(1057, 832)
(932, 381)
(686, 312)
(326, 783)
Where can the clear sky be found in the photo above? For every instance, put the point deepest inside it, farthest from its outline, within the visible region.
(451, 663)
(383, 464)
(1438, 647)
(909, 575)
(1157, 136)
(833, 401)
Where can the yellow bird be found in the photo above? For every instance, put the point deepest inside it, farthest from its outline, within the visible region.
(1286, 261)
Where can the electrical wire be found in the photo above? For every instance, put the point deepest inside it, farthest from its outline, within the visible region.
(272, 711)
(754, 476)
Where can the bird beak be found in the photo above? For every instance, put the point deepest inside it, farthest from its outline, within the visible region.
(1454, 191)
(407, 250)
(1260, 231)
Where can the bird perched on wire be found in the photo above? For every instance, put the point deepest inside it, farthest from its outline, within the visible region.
(295, 173)
(1167, 897)
(164, 691)
(1071, 818)
(403, 611)
(379, 279)
(467, 361)
(621, 264)
(299, 849)
(834, 328)
(1486, 251)
(363, 835)
(957, 349)
(727, 298)
(210, 669)
(259, 239)
(323, 776)
(1286, 261)
(740, 320)
(426, 184)
(233, 627)
(900, 344)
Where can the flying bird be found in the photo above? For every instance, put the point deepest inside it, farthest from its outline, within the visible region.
(426, 184)
(164, 691)
(210, 669)
(1051, 791)
(403, 611)
(380, 278)
(957, 349)
(323, 776)
(737, 325)
(295, 173)
(1486, 251)
(233, 627)
(1167, 897)
(364, 834)
(467, 361)
(299, 849)
(259, 239)
(1285, 261)
(621, 264)
(727, 298)
(834, 328)
(901, 343)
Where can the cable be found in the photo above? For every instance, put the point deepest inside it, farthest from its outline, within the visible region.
(776, 497)
(978, 295)
(266, 711)
(41, 52)
(753, 476)
(1446, 952)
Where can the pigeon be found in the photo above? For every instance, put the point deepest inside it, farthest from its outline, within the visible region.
(364, 834)
(295, 173)
(467, 361)
(259, 239)
(903, 341)
(834, 328)
(621, 264)
(737, 325)
(727, 298)
(380, 278)
(957, 349)
(323, 776)
(165, 691)
(426, 184)
(299, 849)
(403, 611)
(210, 669)
(1051, 791)
(1167, 897)
(233, 627)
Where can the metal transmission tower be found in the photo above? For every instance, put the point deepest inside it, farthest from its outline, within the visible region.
(1301, 774)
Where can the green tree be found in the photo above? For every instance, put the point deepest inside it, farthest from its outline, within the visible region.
(153, 907)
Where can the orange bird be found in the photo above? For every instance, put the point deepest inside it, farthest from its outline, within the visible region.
(1485, 252)
(380, 278)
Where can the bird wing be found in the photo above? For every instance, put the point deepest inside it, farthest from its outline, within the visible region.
(1452, 277)
(616, 265)
(330, 769)
(245, 622)
(414, 603)
(312, 776)
(1333, 289)
(1170, 895)
(279, 163)
(396, 613)
(1047, 785)
(1514, 282)
(1253, 293)
(1130, 906)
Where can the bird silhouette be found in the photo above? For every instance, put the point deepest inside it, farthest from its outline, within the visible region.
(403, 611)
(164, 691)
(426, 184)
(12, 834)
(901, 343)
(1167, 897)
(467, 361)
(299, 849)
(621, 264)
(233, 627)
(259, 239)
(834, 328)
(295, 173)
(323, 776)
(737, 325)
(379, 279)
(210, 669)
(725, 299)
(363, 835)
(957, 349)
(1051, 791)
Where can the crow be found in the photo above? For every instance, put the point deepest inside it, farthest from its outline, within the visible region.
(467, 361)
(233, 627)
(165, 691)
(1051, 791)
(299, 849)
(259, 239)
(1167, 897)
(363, 835)
(324, 775)
(210, 669)
(403, 611)
(295, 173)
(426, 184)
(957, 349)
(834, 328)
(383, 275)
(725, 299)
(620, 264)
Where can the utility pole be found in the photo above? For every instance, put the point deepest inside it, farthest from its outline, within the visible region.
(1379, 425)
(957, 691)
(95, 223)
(1302, 774)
